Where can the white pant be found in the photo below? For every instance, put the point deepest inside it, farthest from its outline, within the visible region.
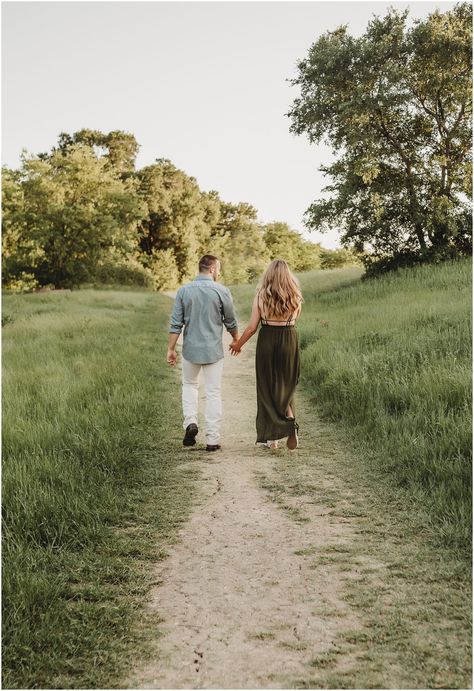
(212, 388)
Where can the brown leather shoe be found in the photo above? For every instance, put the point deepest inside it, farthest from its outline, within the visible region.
(190, 434)
(213, 447)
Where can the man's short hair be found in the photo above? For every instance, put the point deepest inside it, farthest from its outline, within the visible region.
(207, 261)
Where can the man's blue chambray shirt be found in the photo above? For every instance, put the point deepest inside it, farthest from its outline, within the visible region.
(202, 307)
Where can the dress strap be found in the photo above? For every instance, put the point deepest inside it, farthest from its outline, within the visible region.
(264, 320)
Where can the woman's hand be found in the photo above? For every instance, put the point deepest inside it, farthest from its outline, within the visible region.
(236, 345)
(235, 348)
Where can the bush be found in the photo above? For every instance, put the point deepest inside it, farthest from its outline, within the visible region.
(338, 259)
(408, 258)
(129, 273)
(22, 283)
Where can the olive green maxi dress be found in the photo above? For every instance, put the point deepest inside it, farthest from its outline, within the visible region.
(277, 365)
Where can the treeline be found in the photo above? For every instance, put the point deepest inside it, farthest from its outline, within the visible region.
(84, 213)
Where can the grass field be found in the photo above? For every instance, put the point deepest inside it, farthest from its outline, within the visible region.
(92, 491)
(391, 359)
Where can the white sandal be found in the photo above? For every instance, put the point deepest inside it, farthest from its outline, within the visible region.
(272, 444)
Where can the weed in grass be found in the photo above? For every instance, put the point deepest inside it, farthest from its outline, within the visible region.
(262, 636)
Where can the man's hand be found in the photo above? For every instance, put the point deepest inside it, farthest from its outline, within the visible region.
(171, 357)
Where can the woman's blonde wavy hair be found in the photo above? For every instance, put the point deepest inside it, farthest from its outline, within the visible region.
(279, 292)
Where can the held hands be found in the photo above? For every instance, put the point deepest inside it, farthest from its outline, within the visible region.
(234, 347)
(171, 357)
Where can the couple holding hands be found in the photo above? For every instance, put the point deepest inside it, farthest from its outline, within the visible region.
(202, 307)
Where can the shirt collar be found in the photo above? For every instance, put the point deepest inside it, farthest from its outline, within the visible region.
(203, 277)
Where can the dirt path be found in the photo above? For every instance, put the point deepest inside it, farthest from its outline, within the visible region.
(240, 603)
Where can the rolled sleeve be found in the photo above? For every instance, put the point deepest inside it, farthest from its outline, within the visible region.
(228, 311)
(177, 316)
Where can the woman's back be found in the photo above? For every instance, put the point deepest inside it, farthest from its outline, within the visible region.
(271, 319)
(279, 296)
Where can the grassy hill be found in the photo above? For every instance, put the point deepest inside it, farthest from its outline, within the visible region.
(391, 359)
(91, 486)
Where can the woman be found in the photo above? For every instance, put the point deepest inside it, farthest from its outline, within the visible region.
(277, 304)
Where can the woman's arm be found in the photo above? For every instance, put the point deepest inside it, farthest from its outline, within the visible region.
(249, 331)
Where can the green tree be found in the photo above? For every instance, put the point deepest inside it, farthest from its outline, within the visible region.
(284, 243)
(163, 268)
(117, 147)
(178, 219)
(338, 258)
(76, 213)
(20, 253)
(396, 105)
(238, 240)
(309, 256)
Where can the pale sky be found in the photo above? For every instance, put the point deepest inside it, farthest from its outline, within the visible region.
(201, 83)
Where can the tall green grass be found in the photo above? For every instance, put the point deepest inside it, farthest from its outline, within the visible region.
(92, 487)
(391, 357)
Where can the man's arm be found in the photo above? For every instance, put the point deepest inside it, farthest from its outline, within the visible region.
(176, 325)
(249, 331)
(228, 315)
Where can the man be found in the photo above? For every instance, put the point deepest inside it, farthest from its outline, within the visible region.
(202, 307)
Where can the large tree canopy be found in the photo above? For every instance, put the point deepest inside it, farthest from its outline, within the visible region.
(67, 214)
(237, 239)
(282, 242)
(177, 220)
(395, 105)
